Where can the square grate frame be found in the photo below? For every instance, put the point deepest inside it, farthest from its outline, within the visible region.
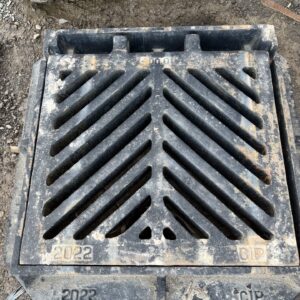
(36, 273)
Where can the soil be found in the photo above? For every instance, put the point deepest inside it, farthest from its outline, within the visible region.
(21, 32)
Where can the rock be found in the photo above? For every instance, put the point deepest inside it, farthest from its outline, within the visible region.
(38, 27)
(1, 214)
(62, 21)
(14, 149)
(8, 126)
(36, 36)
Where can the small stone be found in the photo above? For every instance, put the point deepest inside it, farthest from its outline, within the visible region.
(6, 93)
(38, 27)
(9, 141)
(1, 214)
(14, 149)
(8, 126)
(36, 36)
(62, 21)
(1, 105)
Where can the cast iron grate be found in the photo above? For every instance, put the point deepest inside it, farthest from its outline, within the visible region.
(168, 155)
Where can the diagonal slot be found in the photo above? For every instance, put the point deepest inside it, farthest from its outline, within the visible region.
(189, 225)
(201, 206)
(73, 82)
(226, 97)
(98, 163)
(99, 136)
(217, 112)
(213, 188)
(250, 71)
(146, 234)
(219, 138)
(101, 83)
(96, 114)
(169, 234)
(63, 74)
(117, 201)
(90, 198)
(130, 219)
(220, 166)
(239, 84)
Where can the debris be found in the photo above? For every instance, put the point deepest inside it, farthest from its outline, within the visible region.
(36, 36)
(278, 7)
(14, 149)
(38, 27)
(62, 21)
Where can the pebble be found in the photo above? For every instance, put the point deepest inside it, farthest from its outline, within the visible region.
(38, 27)
(62, 21)
(1, 214)
(36, 36)
(14, 149)
(8, 126)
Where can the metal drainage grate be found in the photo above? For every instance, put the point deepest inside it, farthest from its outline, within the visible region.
(159, 148)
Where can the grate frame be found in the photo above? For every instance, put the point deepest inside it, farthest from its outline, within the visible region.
(151, 281)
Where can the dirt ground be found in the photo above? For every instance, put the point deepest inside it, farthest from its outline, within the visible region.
(21, 32)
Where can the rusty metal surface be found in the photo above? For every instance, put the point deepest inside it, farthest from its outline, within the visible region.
(159, 158)
(201, 175)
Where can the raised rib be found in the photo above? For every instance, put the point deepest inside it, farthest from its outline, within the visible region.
(94, 166)
(138, 181)
(137, 211)
(105, 182)
(96, 109)
(73, 82)
(221, 194)
(219, 165)
(239, 84)
(201, 206)
(228, 98)
(218, 136)
(117, 201)
(186, 222)
(217, 109)
(116, 119)
(84, 95)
